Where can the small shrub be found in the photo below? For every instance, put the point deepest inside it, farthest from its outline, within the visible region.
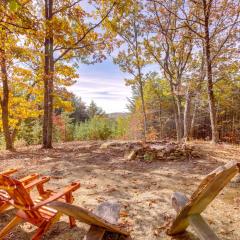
(97, 128)
(30, 132)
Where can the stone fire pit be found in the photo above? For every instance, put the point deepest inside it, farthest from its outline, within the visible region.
(160, 151)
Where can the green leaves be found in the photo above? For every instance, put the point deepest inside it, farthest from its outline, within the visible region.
(14, 5)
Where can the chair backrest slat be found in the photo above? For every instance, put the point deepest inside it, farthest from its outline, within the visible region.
(19, 195)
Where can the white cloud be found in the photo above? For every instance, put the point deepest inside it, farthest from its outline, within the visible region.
(109, 94)
(104, 84)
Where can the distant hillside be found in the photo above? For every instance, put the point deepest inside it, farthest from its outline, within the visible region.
(117, 114)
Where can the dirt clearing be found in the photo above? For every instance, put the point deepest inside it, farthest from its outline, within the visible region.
(143, 189)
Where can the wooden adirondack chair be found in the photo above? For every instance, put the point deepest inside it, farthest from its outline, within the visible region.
(103, 221)
(34, 212)
(4, 197)
(189, 210)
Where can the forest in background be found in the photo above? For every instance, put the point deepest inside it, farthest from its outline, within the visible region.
(83, 123)
(192, 93)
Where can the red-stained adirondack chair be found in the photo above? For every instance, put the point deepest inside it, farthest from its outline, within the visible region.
(34, 179)
(34, 212)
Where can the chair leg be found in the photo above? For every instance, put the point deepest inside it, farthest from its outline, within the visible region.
(13, 223)
(95, 233)
(43, 228)
(40, 231)
(69, 199)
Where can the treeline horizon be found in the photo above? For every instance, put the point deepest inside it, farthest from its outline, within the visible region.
(81, 123)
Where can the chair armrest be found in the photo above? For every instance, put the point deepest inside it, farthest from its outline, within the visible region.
(37, 182)
(73, 187)
(26, 180)
(9, 171)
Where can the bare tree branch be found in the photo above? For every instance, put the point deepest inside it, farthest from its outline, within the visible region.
(86, 33)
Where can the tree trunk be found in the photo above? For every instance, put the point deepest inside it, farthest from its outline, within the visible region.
(177, 113)
(144, 112)
(211, 97)
(179, 118)
(5, 99)
(50, 83)
(45, 108)
(186, 118)
(193, 120)
(160, 118)
(178, 121)
(48, 78)
(177, 124)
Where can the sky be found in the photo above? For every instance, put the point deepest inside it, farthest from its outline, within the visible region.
(104, 84)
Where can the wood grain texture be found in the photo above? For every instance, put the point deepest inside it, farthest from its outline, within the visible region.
(87, 217)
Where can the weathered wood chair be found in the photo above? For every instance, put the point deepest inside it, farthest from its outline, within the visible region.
(34, 212)
(34, 179)
(189, 210)
(102, 222)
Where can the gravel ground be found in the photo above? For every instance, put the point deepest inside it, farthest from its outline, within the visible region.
(143, 189)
